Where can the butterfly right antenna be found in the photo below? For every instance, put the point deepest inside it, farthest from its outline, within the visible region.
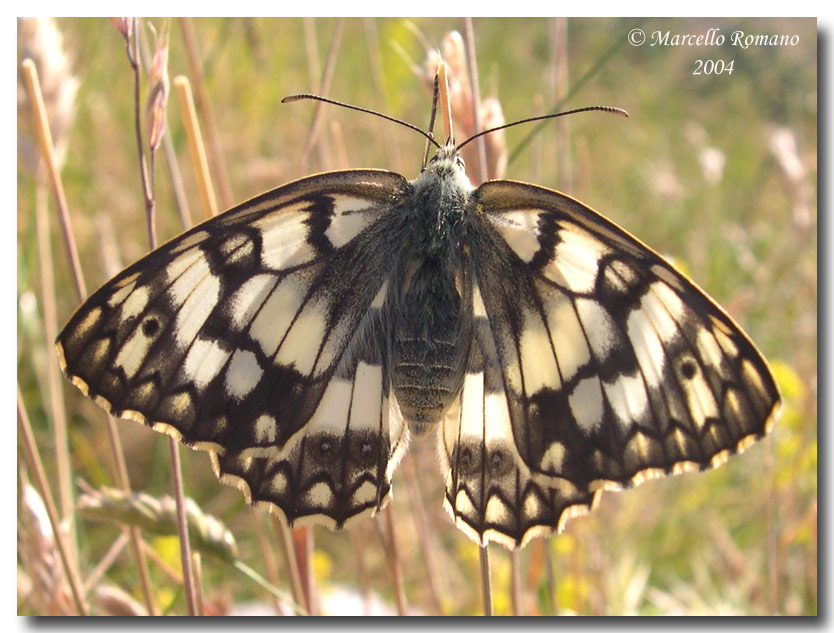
(610, 109)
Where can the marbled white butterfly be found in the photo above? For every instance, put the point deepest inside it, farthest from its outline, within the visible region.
(301, 336)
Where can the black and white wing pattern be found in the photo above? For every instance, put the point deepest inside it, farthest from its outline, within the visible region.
(595, 365)
(299, 336)
(256, 337)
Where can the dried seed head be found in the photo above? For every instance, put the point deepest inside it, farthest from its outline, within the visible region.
(463, 113)
(39, 558)
(113, 601)
(158, 88)
(712, 162)
(123, 26)
(40, 40)
(496, 142)
(783, 146)
(158, 516)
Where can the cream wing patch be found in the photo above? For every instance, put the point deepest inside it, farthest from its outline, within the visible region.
(269, 327)
(587, 404)
(576, 261)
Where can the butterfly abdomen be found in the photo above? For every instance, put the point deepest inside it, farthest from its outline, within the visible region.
(431, 343)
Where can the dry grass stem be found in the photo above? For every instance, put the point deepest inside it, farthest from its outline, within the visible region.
(285, 538)
(197, 567)
(172, 161)
(486, 582)
(423, 533)
(196, 146)
(394, 562)
(323, 89)
(132, 49)
(357, 545)
(158, 88)
(41, 124)
(106, 562)
(302, 539)
(123, 482)
(182, 526)
(33, 461)
(477, 124)
(159, 80)
(443, 102)
(40, 40)
(55, 388)
(515, 582)
(214, 145)
(266, 552)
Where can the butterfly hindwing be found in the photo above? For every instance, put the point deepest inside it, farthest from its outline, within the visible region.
(491, 492)
(244, 336)
(340, 466)
(613, 366)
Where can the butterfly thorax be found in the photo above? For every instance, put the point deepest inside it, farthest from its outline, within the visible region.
(431, 337)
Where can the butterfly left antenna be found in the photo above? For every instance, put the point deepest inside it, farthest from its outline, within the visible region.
(312, 97)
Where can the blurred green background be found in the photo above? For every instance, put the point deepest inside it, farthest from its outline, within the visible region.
(716, 171)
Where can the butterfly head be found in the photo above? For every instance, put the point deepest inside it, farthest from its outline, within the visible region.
(448, 165)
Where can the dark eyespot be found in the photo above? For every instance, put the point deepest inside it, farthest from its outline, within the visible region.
(469, 460)
(465, 458)
(688, 369)
(364, 450)
(150, 327)
(500, 463)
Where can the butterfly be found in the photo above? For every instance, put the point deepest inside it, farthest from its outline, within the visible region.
(303, 336)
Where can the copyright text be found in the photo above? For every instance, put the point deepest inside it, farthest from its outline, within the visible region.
(714, 37)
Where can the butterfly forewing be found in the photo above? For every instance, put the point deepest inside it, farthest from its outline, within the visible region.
(616, 366)
(253, 327)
